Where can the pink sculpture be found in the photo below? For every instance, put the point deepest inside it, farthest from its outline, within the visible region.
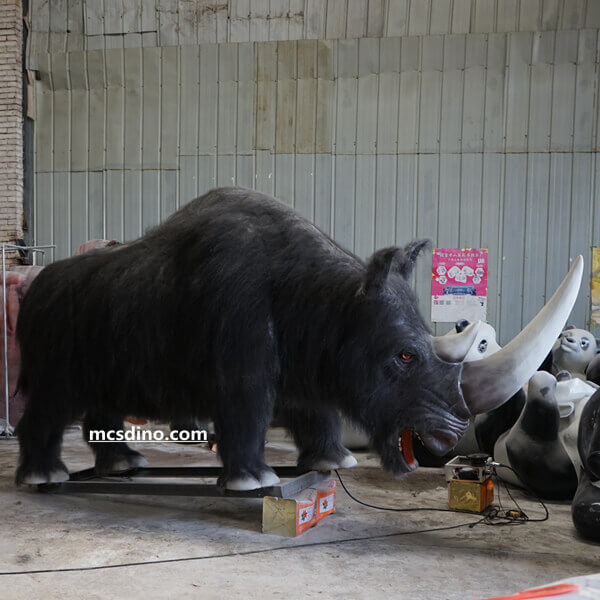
(18, 280)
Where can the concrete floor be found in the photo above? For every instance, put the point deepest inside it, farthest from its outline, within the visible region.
(40, 531)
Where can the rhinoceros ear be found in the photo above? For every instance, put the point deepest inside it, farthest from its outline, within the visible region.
(394, 259)
(379, 267)
(405, 262)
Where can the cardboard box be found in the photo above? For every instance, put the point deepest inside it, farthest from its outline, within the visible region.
(292, 516)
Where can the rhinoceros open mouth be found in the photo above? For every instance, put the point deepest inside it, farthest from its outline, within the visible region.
(405, 446)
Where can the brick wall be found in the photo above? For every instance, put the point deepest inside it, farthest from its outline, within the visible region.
(11, 121)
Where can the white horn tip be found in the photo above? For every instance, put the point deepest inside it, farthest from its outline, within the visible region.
(493, 380)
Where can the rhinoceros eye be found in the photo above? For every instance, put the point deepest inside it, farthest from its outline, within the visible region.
(482, 346)
(585, 343)
(402, 359)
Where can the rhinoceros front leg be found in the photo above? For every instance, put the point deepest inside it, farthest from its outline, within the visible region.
(241, 425)
(318, 435)
(111, 457)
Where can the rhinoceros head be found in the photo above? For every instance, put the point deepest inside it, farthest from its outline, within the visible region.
(400, 379)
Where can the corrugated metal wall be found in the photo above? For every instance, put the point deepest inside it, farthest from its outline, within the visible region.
(67, 25)
(470, 139)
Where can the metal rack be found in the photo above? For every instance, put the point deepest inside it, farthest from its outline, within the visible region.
(8, 431)
(87, 482)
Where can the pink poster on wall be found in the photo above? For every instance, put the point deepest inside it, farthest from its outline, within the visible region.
(459, 284)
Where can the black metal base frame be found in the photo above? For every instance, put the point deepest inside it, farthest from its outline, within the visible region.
(88, 482)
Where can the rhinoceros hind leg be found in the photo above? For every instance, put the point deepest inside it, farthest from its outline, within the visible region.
(111, 457)
(40, 439)
(53, 474)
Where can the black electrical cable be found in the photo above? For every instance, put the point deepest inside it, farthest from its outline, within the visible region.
(487, 519)
(522, 516)
(498, 516)
(234, 554)
(528, 489)
(501, 480)
(493, 516)
(389, 508)
(498, 494)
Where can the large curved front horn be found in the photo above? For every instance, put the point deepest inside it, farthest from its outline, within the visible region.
(488, 383)
(454, 347)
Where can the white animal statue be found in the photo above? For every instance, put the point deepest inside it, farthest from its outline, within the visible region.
(485, 344)
(542, 446)
(573, 351)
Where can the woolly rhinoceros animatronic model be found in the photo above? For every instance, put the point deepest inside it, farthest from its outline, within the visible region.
(236, 304)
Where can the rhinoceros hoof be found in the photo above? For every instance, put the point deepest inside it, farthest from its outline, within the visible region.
(38, 477)
(269, 479)
(324, 464)
(121, 463)
(243, 484)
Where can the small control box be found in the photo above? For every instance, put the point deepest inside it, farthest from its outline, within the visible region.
(470, 485)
